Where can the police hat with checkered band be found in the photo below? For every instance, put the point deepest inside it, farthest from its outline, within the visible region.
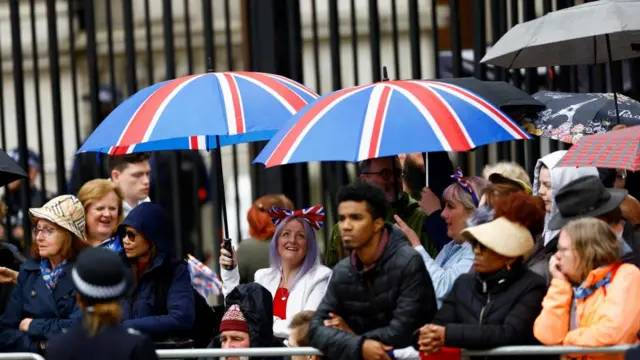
(100, 276)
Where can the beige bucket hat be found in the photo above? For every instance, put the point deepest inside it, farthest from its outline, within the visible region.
(65, 211)
(504, 237)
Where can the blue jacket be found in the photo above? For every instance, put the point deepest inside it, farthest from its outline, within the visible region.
(139, 310)
(51, 311)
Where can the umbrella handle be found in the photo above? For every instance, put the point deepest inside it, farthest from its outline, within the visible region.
(426, 169)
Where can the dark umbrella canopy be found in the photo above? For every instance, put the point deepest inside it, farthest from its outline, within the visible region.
(10, 171)
(569, 116)
(501, 94)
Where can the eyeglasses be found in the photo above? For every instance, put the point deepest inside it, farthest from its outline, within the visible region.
(128, 234)
(46, 231)
(385, 174)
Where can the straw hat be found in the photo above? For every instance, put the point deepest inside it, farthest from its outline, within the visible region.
(504, 237)
(65, 211)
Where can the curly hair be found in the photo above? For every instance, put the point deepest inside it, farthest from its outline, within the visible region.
(260, 225)
(361, 191)
(526, 210)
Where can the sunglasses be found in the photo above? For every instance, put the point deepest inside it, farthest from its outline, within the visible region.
(128, 234)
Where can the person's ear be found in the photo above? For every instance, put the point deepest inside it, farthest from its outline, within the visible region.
(378, 224)
(115, 175)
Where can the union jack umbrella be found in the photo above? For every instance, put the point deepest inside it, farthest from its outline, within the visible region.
(203, 279)
(613, 150)
(188, 113)
(389, 118)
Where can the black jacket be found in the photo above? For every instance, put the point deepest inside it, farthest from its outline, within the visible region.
(115, 342)
(484, 312)
(538, 261)
(633, 239)
(387, 303)
(256, 304)
(10, 257)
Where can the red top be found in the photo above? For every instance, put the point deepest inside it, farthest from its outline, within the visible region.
(280, 303)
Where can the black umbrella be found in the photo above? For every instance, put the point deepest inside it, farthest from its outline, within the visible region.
(501, 94)
(569, 116)
(10, 171)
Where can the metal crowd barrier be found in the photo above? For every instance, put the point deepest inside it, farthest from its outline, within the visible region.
(195, 353)
(501, 351)
(547, 350)
(20, 356)
(250, 352)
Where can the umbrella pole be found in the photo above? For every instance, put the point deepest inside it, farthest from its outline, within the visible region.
(426, 169)
(615, 94)
(222, 200)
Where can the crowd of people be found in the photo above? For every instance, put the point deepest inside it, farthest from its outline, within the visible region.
(467, 263)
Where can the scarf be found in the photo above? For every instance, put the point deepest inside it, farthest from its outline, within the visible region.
(50, 276)
(582, 292)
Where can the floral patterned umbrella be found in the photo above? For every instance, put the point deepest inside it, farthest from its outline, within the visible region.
(570, 116)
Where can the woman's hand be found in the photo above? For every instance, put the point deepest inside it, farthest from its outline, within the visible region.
(227, 260)
(429, 203)
(408, 232)
(24, 324)
(554, 269)
(431, 338)
(8, 276)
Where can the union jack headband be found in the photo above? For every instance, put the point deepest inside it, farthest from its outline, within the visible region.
(464, 184)
(313, 215)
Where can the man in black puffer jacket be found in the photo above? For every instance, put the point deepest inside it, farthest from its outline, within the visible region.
(381, 294)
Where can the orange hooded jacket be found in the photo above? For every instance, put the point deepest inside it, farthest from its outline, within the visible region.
(610, 316)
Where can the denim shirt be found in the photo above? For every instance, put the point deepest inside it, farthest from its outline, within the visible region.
(452, 261)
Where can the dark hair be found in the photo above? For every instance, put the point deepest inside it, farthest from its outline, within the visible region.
(121, 162)
(414, 177)
(360, 191)
(365, 165)
(613, 217)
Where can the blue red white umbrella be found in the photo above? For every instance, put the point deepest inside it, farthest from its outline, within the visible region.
(189, 112)
(389, 118)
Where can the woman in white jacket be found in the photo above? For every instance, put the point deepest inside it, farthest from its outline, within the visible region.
(296, 279)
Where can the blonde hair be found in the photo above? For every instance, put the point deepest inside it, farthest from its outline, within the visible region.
(507, 169)
(99, 315)
(300, 324)
(95, 190)
(595, 242)
(455, 192)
